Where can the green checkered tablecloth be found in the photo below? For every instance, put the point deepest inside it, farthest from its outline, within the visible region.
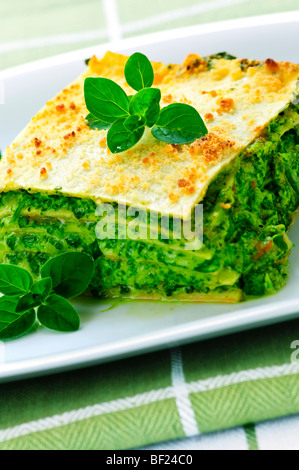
(233, 392)
(223, 383)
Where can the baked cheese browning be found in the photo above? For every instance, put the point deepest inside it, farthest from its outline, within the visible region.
(58, 149)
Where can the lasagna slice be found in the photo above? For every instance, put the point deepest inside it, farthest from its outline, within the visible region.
(58, 173)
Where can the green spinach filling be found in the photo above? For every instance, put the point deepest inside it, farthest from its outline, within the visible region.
(247, 212)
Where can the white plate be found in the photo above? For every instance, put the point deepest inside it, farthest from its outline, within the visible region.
(137, 327)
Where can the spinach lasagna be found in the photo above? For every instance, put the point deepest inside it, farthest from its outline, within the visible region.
(244, 172)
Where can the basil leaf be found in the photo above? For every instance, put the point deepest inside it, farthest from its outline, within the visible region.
(9, 303)
(14, 280)
(119, 138)
(105, 99)
(58, 314)
(95, 123)
(134, 122)
(28, 302)
(146, 103)
(14, 324)
(70, 273)
(42, 287)
(179, 123)
(139, 72)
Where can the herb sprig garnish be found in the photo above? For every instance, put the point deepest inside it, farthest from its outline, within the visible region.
(24, 302)
(126, 117)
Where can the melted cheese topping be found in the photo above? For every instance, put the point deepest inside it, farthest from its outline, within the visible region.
(58, 150)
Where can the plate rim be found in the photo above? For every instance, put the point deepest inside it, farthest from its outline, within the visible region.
(201, 329)
(150, 38)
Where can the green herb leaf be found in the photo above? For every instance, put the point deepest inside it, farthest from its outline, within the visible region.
(27, 302)
(108, 104)
(139, 72)
(8, 303)
(14, 280)
(146, 103)
(58, 314)
(179, 123)
(39, 292)
(14, 324)
(95, 123)
(70, 273)
(134, 122)
(120, 138)
(105, 99)
(42, 287)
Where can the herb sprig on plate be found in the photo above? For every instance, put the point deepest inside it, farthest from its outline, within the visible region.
(127, 116)
(25, 303)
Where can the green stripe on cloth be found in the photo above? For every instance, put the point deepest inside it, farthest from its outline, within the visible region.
(148, 399)
(251, 437)
(118, 430)
(63, 393)
(220, 356)
(246, 402)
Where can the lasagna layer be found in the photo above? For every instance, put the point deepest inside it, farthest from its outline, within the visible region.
(247, 211)
(236, 98)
